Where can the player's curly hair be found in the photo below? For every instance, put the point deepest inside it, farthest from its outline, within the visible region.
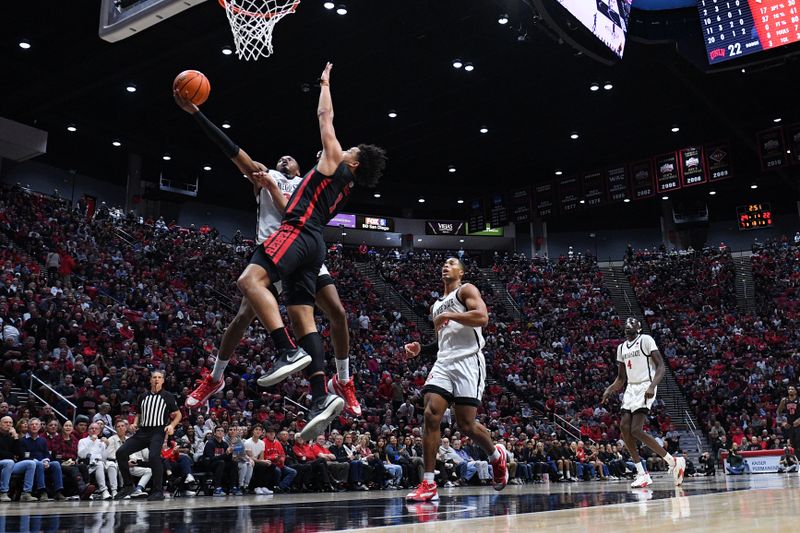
(371, 164)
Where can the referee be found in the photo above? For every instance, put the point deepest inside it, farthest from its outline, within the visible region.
(154, 410)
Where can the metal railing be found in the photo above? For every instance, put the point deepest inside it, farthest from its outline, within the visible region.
(693, 429)
(59, 395)
(569, 428)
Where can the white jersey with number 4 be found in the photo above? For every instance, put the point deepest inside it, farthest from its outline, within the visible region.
(635, 355)
(269, 218)
(455, 339)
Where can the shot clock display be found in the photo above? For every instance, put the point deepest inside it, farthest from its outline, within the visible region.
(754, 216)
(735, 28)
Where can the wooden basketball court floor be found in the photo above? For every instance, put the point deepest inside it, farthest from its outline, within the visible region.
(762, 502)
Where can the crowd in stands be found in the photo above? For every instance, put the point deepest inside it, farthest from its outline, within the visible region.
(733, 366)
(92, 302)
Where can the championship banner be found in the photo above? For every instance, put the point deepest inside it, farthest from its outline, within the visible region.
(568, 194)
(667, 173)
(477, 215)
(521, 205)
(793, 142)
(592, 189)
(642, 179)
(772, 149)
(617, 183)
(544, 199)
(498, 211)
(693, 171)
(718, 161)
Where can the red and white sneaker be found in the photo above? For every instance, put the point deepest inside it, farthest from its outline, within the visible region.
(678, 470)
(424, 511)
(642, 480)
(426, 492)
(348, 392)
(207, 388)
(500, 469)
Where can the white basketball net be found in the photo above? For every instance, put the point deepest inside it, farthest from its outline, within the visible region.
(252, 22)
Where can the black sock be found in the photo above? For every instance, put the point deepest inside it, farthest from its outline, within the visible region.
(317, 385)
(312, 344)
(280, 337)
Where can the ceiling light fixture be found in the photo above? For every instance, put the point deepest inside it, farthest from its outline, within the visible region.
(469, 67)
(72, 128)
(227, 50)
(166, 157)
(451, 169)
(574, 135)
(131, 88)
(460, 201)
(484, 129)
(377, 195)
(754, 186)
(712, 193)
(558, 172)
(503, 19)
(627, 200)
(675, 129)
(419, 240)
(594, 87)
(392, 113)
(608, 86)
(116, 143)
(460, 240)
(328, 5)
(665, 197)
(207, 167)
(226, 125)
(457, 63)
(582, 201)
(341, 9)
(421, 200)
(25, 44)
(776, 119)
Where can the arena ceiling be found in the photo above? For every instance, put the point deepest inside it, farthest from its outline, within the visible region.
(529, 91)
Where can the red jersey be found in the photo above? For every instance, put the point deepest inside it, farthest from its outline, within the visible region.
(318, 198)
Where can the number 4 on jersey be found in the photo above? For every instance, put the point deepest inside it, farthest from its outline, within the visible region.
(630, 364)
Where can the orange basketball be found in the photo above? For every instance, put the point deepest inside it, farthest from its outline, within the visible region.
(192, 85)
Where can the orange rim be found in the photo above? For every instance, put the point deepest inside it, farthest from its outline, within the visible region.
(268, 15)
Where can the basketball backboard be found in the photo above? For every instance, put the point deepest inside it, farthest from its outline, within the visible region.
(122, 18)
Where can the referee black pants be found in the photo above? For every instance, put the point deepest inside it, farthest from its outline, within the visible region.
(152, 438)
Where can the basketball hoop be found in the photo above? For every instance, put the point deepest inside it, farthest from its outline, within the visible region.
(252, 22)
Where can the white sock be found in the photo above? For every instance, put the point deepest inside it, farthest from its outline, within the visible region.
(639, 468)
(670, 460)
(343, 369)
(427, 476)
(494, 456)
(219, 368)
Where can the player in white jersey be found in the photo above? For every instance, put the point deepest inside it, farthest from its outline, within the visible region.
(640, 364)
(272, 189)
(457, 377)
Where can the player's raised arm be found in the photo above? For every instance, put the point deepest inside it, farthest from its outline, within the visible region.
(331, 148)
(239, 157)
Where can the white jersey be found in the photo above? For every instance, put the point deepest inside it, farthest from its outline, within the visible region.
(455, 339)
(269, 218)
(635, 355)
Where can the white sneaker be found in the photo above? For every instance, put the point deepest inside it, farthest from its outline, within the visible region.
(678, 470)
(642, 480)
(264, 491)
(189, 479)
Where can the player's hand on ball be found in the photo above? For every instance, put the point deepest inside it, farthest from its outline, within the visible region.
(184, 103)
(649, 393)
(412, 349)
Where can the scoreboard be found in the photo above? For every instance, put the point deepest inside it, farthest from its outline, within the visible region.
(754, 216)
(735, 28)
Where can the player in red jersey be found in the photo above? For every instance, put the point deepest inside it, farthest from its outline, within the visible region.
(294, 254)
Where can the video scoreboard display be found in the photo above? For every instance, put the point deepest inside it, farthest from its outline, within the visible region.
(735, 28)
(754, 216)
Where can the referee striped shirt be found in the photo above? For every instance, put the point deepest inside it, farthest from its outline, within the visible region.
(154, 409)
